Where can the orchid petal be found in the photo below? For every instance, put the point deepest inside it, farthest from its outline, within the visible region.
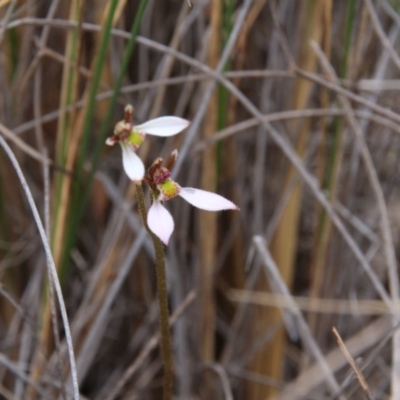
(133, 165)
(163, 126)
(160, 221)
(111, 141)
(206, 200)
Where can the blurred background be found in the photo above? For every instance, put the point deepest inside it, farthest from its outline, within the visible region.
(295, 117)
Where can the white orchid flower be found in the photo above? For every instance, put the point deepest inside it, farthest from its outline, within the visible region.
(130, 137)
(159, 218)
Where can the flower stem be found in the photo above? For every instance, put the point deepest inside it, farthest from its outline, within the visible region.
(162, 295)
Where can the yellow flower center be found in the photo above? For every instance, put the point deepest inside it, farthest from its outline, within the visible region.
(168, 189)
(135, 138)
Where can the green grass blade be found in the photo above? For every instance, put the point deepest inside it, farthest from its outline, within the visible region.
(82, 186)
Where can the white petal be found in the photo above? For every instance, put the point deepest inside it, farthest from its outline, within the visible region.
(206, 200)
(111, 141)
(160, 221)
(163, 126)
(133, 165)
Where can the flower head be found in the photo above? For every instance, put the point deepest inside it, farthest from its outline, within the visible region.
(164, 188)
(130, 137)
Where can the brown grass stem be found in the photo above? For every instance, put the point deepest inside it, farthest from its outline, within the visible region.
(50, 263)
(281, 127)
(374, 334)
(388, 244)
(162, 295)
(353, 364)
(150, 345)
(288, 150)
(275, 279)
(195, 63)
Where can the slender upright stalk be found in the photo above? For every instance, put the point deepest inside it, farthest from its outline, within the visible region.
(162, 295)
(51, 265)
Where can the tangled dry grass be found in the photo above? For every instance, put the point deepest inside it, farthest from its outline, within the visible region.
(295, 117)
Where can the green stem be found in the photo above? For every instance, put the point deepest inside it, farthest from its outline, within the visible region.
(162, 295)
(82, 188)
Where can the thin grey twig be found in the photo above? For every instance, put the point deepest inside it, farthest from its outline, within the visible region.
(380, 32)
(37, 96)
(288, 150)
(221, 373)
(371, 335)
(194, 126)
(12, 301)
(20, 374)
(384, 111)
(52, 116)
(388, 244)
(22, 145)
(304, 330)
(290, 114)
(6, 18)
(151, 344)
(92, 340)
(155, 45)
(281, 142)
(51, 264)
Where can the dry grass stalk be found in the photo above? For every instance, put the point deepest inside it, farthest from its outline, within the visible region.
(276, 88)
(284, 243)
(208, 221)
(353, 364)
